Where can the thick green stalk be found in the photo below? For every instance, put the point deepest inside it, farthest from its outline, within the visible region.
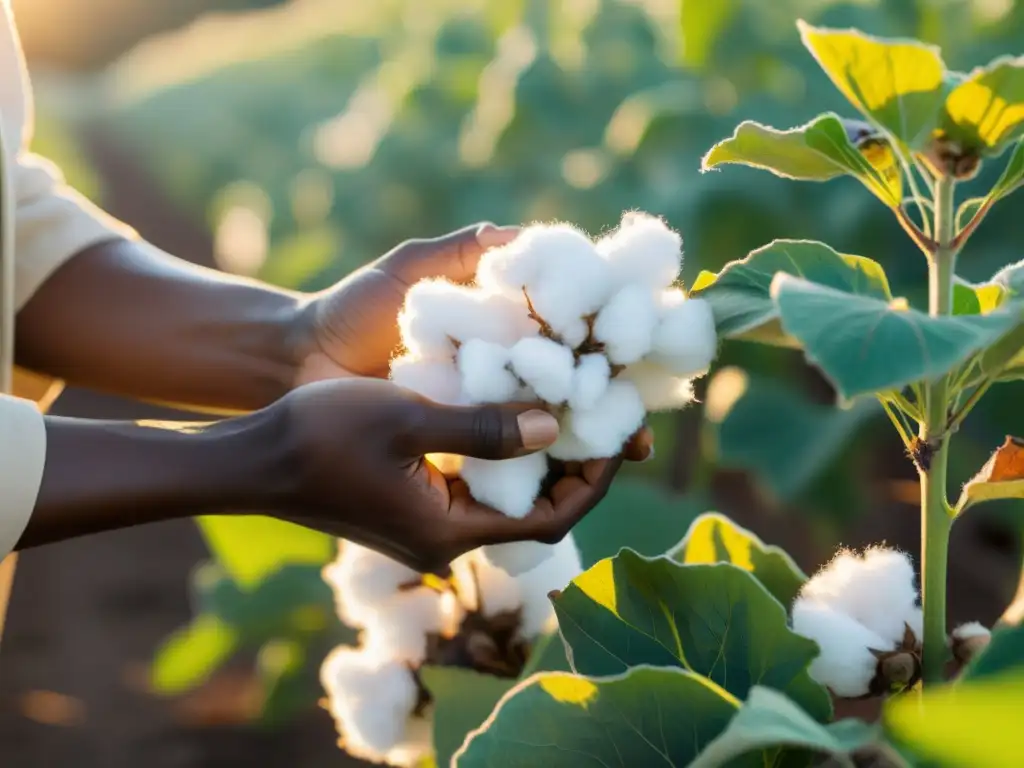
(935, 517)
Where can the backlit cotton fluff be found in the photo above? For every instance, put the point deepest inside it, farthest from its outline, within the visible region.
(362, 579)
(554, 572)
(594, 332)
(858, 609)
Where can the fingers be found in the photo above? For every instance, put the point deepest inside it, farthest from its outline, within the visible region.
(454, 256)
(482, 431)
(640, 447)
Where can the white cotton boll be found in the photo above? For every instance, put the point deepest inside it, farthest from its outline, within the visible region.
(589, 381)
(371, 700)
(684, 340)
(398, 628)
(659, 388)
(517, 557)
(555, 572)
(509, 485)
(417, 744)
(363, 578)
(643, 250)
(568, 446)
(845, 664)
(437, 380)
(915, 619)
(625, 325)
(608, 425)
(970, 630)
(486, 377)
(511, 267)
(486, 588)
(438, 313)
(546, 366)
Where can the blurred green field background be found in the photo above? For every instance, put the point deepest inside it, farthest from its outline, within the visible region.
(309, 137)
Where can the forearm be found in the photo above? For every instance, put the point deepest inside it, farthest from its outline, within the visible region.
(124, 318)
(101, 476)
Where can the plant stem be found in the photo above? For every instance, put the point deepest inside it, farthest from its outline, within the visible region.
(935, 517)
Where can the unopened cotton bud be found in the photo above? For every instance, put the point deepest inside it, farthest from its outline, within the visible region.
(625, 325)
(486, 377)
(363, 578)
(437, 380)
(643, 250)
(546, 366)
(845, 663)
(589, 381)
(684, 340)
(611, 422)
(659, 389)
(509, 485)
(968, 640)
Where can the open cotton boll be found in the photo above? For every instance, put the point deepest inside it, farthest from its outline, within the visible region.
(485, 587)
(417, 744)
(511, 267)
(370, 699)
(659, 389)
(643, 250)
(546, 366)
(625, 325)
(398, 628)
(509, 485)
(607, 426)
(437, 380)
(684, 340)
(517, 557)
(568, 446)
(486, 377)
(845, 664)
(555, 572)
(971, 629)
(589, 381)
(363, 578)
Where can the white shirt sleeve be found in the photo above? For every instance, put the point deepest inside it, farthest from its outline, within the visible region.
(22, 458)
(52, 222)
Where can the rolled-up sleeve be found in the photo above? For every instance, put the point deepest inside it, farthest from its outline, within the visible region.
(22, 457)
(53, 222)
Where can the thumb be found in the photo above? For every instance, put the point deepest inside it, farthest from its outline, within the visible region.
(488, 431)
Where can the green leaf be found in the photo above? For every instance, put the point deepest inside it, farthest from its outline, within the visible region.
(769, 723)
(984, 113)
(714, 538)
(740, 295)
(701, 25)
(1002, 477)
(1004, 653)
(716, 620)
(190, 655)
(980, 299)
(864, 344)
(645, 717)
(462, 701)
(280, 665)
(1012, 176)
(251, 548)
(786, 440)
(975, 723)
(547, 655)
(635, 514)
(817, 151)
(899, 85)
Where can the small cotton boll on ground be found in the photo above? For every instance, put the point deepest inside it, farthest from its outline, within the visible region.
(625, 325)
(659, 389)
(517, 557)
(845, 664)
(398, 628)
(685, 340)
(485, 374)
(371, 700)
(362, 578)
(437, 380)
(546, 366)
(562, 566)
(608, 425)
(644, 251)
(498, 591)
(509, 485)
(589, 381)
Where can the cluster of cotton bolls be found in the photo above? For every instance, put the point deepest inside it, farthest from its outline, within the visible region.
(597, 330)
(481, 618)
(862, 610)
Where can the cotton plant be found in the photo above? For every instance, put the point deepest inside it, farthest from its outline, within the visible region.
(598, 332)
(481, 618)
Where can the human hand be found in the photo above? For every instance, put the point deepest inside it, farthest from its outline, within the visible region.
(356, 450)
(351, 330)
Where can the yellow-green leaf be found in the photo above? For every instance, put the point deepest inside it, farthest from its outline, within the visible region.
(900, 85)
(1002, 477)
(193, 653)
(985, 111)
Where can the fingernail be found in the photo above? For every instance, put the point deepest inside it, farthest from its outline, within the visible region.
(537, 429)
(490, 236)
